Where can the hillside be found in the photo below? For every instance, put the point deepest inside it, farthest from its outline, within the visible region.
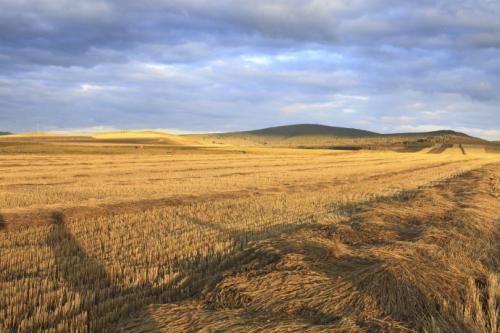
(320, 130)
(431, 133)
(321, 136)
(311, 130)
(108, 143)
(144, 137)
(37, 135)
(5, 133)
(109, 137)
(294, 136)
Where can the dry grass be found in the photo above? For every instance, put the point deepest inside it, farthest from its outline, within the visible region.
(426, 263)
(249, 240)
(395, 141)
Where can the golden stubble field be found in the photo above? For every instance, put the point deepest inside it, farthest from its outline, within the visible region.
(250, 240)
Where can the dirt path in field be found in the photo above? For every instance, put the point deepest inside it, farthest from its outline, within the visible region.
(426, 260)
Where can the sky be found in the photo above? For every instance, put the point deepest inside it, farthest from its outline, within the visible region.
(200, 65)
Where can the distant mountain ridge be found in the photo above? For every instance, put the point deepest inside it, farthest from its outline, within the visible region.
(431, 133)
(319, 130)
(5, 133)
(317, 136)
(311, 129)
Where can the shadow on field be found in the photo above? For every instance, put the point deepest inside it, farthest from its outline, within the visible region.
(2, 222)
(385, 266)
(245, 235)
(386, 283)
(109, 306)
(101, 299)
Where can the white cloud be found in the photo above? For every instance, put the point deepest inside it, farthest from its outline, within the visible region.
(258, 60)
(204, 65)
(308, 107)
(104, 129)
(85, 130)
(89, 88)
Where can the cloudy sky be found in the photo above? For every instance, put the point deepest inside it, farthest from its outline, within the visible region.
(203, 65)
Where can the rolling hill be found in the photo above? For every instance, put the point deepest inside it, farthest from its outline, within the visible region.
(311, 129)
(125, 137)
(290, 136)
(321, 136)
(317, 129)
(145, 137)
(106, 143)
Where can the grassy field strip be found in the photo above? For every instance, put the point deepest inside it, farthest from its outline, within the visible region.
(422, 262)
(91, 254)
(113, 188)
(223, 165)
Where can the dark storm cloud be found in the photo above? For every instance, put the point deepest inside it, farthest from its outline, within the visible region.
(225, 65)
(62, 28)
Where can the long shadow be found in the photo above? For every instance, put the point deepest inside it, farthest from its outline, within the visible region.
(313, 316)
(2, 222)
(398, 296)
(250, 235)
(86, 276)
(364, 275)
(102, 298)
(108, 305)
(355, 270)
(265, 257)
(72, 262)
(212, 272)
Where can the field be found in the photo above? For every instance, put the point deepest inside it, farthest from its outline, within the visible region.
(152, 237)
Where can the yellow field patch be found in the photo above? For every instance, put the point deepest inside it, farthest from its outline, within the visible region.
(90, 241)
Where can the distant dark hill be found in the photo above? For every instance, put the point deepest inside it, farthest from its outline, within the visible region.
(309, 130)
(313, 136)
(289, 131)
(5, 133)
(431, 133)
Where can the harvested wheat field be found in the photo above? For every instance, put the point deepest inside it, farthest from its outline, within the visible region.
(116, 237)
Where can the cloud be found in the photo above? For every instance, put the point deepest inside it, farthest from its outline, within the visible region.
(302, 107)
(104, 129)
(348, 110)
(182, 30)
(226, 65)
